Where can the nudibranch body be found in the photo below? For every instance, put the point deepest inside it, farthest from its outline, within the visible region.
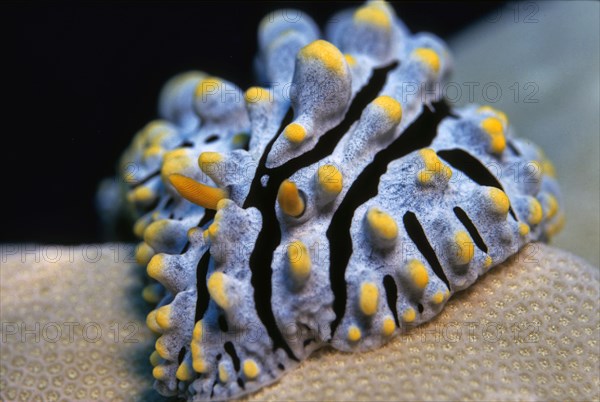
(340, 205)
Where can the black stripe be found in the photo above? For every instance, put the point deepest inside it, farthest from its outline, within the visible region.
(417, 235)
(472, 168)
(418, 135)
(264, 199)
(471, 228)
(202, 296)
(391, 293)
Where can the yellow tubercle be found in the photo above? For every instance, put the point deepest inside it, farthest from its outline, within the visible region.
(223, 374)
(500, 201)
(176, 162)
(207, 159)
(495, 130)
(391, 107)
(409, 315)
(499, 114)
(428, 57)
(369, 298)
(197, 193)
(217, 288)
(140, 225)
(350, 60)
(198, 362)
(184, 372)
(487, 262)
(382, 225)
(548, 168)
(155, 359)
(177, 153)
(552, 206)
(223, 203)
(142, 194)
(535, 211)
(555, 227)
(143, 253)
(156, 266)
(154, 150)
(388, 326)
(162, 316)
(207, 86)
(330, 179)
(372, 16)
(161, 348)
(433, 167)
(212, 230)
(294, 133)
(152, 324)
(437, 298)
(257, 94)
(299, 260)
(160, 373)
(160, 138)
(289, 199)
(326, 53)
(418, 273)
(251, 369)
(466, 247)
(354, 333)
(523, 229)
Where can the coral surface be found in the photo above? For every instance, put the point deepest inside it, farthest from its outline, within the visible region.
(529, 330)
(351, 202)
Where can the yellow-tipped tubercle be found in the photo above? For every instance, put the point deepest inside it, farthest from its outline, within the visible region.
(198, 362)
(299, 260)
(499, 114)
(391, 107)
(257, 94)
(372, 16)
(500, 201)
(217, 284)
(330, 179)
(251, 369)
(433, 167)
(495, 130)
(354, 333)
(369, 298)
(466, 247)
(388, 326)
(329, 55)
(184, 372)
(382, 225)
(290, 201)
(294, 133)
(418, 274)
(428, 57)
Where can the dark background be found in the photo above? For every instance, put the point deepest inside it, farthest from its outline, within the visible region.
(78, 80)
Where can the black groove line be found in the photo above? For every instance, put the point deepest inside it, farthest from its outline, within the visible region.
(418, 135)
(417, 235)
(391, 293)
(330, 139)
(202, 296)
(230, 349)
(471, 228)
(264, 198)
(473, 169)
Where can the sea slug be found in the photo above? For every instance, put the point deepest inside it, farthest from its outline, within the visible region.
(339, 204)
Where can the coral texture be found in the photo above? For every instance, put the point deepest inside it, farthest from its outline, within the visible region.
(361, 204)
(545, 296)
